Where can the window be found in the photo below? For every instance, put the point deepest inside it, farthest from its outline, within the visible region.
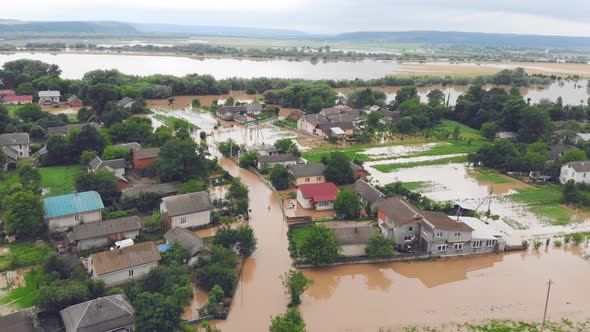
(306, 179)
(407, 238)
(323, 203)
(182, 220)
(490, 243)
(458, 246)
(77, 217)
(441, 247)
(439, 234)
(457, 234)
(20, 146)
(131, 273)
(476, 244)
(410, 228)
(318, 179)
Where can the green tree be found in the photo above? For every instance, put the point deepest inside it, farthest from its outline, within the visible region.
(196, 103)
(536, 156)
(296, 283)
(359, 98)
(88, 138)
(215, 297)
(181, 160)
(456, 133)
(171, 100)
(379, 247)
(156, 312)
(435, 97)
(489, 130)
(61, 294)
(230, 101)
(192, 186)
(100, 94)
(228, 148)
(248, 159)
(573, 155)
(405, 93)
(23, 214)
(319, 246)
(534, 125)
(347, 205)
(29, 177)
(30, 112)
(288, 322)
(113, 113)
(241, 238)
(373, 120)
(175, 255)
(279, 177)
(287, 145)
(3, 160)
(338, 169)
(315, 104)
(101, 181)
(86, 157)
(58, 150)
(112, 152)
(84, 114)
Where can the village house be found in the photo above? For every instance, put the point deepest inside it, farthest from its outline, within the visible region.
(49, 98)
(191, 242)
(144, 158)
(335, 129)
(443, 236)
(74, 101)
(308, 173)
(352, 236)
(295, 115)
(578, 171)
(369, 196)
(163, 189)
(359, 171)
(65, 211)
(484, 237)
(187, 210)
(565, 136)
(286, 159)
(102, 234)
(4, 93)
(65, 130)
(17, 100)
(399, 220)
(263, 149)
(115, 166)
(118, 266)
(109, 313)
(556, 151)
(317, 196)
(234, 113)
(308, 123)
(29, 320)
(126, 102)
(15, 146)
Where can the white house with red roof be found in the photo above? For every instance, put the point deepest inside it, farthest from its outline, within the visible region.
(317, 196)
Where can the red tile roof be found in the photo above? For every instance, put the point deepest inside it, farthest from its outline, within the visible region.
(18, 98)
(7, 92)
(319, 192)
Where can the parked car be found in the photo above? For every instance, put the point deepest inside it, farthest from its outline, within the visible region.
(405, 248)
(122, 244)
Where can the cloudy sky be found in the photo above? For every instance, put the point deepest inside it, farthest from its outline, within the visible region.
(552, 17)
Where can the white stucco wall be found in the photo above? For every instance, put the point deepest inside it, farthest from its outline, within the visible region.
(192, 220)
(304, 202)
(60, 224)
(122, 276)
(568, 173)
(330, 206)
(101, 242)
(22, 149)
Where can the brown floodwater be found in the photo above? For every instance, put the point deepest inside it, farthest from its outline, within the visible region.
(370, 296)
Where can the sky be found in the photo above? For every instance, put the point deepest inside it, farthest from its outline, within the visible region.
(548, 17)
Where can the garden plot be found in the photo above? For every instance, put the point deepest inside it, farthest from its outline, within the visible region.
(203, 120)
(519, 219)
(396, 151)
(250, 135)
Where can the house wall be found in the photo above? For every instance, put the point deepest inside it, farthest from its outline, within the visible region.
(429, 242)
(398, 233)
(122, 276)
(192, 220)
(61, 224)
(305, 126)
(317, 206)
(142, 163)
(18, 102)
(104, 241)
(284, 163)
(568, 173)
(22, 149)
(304, 202)
(311, 179)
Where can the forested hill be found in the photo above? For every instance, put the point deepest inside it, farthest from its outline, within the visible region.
(70, 27)
(451, 38)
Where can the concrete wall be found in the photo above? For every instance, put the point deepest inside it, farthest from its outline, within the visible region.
(122, 276)
(63, 223)
(311, 179)
(469, 247)
(192, 220)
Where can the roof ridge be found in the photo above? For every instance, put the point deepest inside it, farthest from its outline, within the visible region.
(118, 305)
(82, 315)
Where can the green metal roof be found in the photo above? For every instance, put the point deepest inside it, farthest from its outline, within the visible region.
(71, 204)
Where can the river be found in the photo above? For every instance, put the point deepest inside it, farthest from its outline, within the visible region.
(372, 296)
(74, 65)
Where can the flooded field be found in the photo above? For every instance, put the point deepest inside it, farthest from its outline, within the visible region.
(74, 65)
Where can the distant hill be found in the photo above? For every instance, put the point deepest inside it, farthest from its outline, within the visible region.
(466, 39)
(205, 30)
(11, 26)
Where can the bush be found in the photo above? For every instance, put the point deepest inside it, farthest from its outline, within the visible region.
(295, 284)
(319, 246)
(380, 247)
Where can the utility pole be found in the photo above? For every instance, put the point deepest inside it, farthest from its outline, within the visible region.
(546, 304)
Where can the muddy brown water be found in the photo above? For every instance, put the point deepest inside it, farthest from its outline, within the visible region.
(368, 297)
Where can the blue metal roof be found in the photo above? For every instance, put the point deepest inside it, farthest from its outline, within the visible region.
(71, 204)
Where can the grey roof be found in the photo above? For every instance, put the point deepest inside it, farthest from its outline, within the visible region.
(353, 235)
(10, 152)
(315, 119)
(49, 94)
(103, 228)
(342, 125)
(130, 146)
(22, 321)
(231, 109)
(254, 107)
(399, 210)
(507, 135)
(187, 239)
(580, 166)
(307, 170)
(187, 203)
(387, 113)
(356, 167)
(565, 132)
(345, 117)
(442, 221)
(330, 111)
(163, 188)
(74, 99)
(277, 158)
(67, 128)
(367, 191)
(263, 147)
(147, 153)
(124, 258)
(102, 314)
(14, 139)
(125, 101)
(98, 163)
(557, 150)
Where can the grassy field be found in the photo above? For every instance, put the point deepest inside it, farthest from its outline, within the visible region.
(25, 297)
(488, 175)
(416, 185)
(60, 180)
(545, 202)
(172, 122)
(466, 132)
(387, 168)
(299, 234)
(23, 255)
